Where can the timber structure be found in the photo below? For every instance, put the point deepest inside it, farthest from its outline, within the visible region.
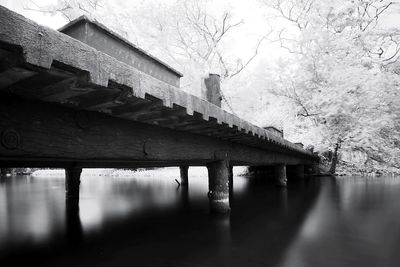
(65, 103)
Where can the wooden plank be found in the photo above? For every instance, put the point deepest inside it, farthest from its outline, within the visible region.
(12, 76)
(10, 70)
(169, 115)
(142, 109)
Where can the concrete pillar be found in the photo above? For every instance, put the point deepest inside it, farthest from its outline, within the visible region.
(212, 90)
(280, 175)
(218, 184)
(230, 181)
(299, 169)
(72, 182)
(184, 175)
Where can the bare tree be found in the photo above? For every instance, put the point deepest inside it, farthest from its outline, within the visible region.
(70, 9)
(339, 56)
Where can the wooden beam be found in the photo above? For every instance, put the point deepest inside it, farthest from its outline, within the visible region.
(50, 133)
(11, 71)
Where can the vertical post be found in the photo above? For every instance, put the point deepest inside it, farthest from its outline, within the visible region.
(218, 184)
(184, 175)
(72, 182)
(213, 89)
(230, 181)
(280, 175)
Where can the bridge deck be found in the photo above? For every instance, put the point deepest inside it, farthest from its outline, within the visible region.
(56, 75)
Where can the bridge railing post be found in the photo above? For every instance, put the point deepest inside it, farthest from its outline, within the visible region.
(212, 89)
(218, 184)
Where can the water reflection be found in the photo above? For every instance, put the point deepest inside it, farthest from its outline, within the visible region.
(74, 231)
(354, 223)
(149, 221)
(30, 209)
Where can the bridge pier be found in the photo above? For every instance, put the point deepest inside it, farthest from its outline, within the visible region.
(230, 181)
(72, 182)
(280, 175)
(218, 184)
(184, 170)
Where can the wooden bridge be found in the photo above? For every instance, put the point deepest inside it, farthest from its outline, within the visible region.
(85, 97)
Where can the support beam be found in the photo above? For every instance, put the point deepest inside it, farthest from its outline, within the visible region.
(53, 135)
(218, 184)
(280, 175)
(184, 175)
(72, 182)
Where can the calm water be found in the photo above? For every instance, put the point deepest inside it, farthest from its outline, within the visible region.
(148, 221)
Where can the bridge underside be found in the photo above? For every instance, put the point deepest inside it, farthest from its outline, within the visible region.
(35, 133)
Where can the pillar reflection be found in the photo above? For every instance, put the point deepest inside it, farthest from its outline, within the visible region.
(184, 195)
(74, 231)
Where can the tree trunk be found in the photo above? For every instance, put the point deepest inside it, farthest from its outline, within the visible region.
(335, 158)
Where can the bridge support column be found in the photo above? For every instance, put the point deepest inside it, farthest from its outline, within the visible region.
(280, 175)
(218, 184)
(72, 182)
(184, 175)
(230, 181)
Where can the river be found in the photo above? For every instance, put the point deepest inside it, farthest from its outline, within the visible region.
(147, 220)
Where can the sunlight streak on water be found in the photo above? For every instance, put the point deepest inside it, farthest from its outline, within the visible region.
(355, 220)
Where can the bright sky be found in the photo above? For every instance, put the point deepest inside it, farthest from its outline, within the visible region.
(54, 22)
(243, 41)
(253, 16)
(252, 28)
